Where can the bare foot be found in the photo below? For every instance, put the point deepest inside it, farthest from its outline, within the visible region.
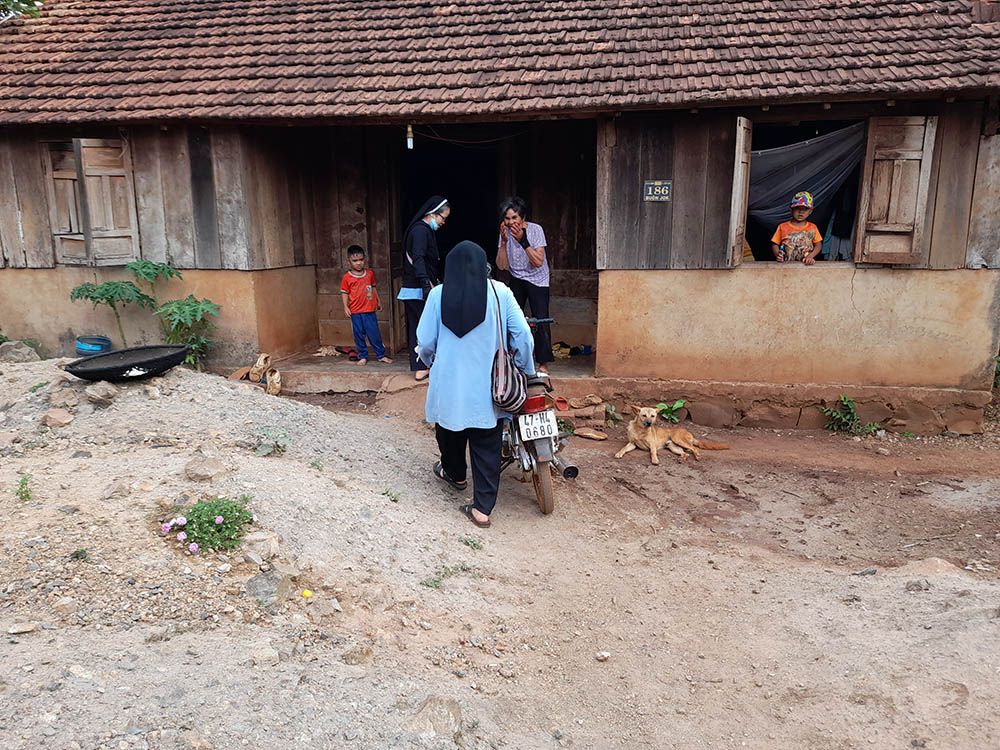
(362, 361)
(421, 374)
(385, 360)
(543, 369)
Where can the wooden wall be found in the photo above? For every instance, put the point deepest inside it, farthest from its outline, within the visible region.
(697, 153)
(25, 232)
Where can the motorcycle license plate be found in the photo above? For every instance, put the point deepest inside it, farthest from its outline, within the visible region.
(540, 425)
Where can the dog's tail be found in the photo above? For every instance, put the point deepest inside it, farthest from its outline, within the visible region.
(704, 444)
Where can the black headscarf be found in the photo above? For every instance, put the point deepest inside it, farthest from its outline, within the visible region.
(432, 203)
(463, 297)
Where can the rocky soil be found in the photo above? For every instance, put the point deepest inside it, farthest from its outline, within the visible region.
(800, 590)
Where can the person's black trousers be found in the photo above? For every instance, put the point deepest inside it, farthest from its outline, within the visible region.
(484, 450)
(413, 309)
(537, 298)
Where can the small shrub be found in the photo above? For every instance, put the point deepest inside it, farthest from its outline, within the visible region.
(845, 419)
(996, 373)
(80, 555)
(146, 270)
(271, 441)
(187, 323)
(23, 490)
(216, 524)
(393, 496)
(113, 294)
(907, 434)
(669, 412)
(317, 463)
(612, 417)
(435, 581)
(471, 543)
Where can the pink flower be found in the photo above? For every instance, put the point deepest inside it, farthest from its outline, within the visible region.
(193, 548)
(218, 520)
(181, 520)
(166, 528)
(181, 537)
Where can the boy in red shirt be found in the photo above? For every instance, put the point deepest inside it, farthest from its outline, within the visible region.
(798, 239)
(360, 303)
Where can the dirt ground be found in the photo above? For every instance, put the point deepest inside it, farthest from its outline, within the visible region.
(801, 590)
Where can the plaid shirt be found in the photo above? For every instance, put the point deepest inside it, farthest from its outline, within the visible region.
(517, 258)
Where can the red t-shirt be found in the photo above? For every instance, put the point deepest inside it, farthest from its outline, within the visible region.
(360, 291)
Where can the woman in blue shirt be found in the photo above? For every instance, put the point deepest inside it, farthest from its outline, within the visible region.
(458, 331)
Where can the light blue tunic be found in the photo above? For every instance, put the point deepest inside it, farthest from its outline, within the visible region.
(458, 392)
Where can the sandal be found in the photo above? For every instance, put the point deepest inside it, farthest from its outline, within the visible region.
(273, 387)
(467, 510)
(439, 473)
(260, 368)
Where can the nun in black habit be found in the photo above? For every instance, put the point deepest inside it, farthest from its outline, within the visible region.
(421, 268)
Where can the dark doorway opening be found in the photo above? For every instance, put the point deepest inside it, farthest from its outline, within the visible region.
(835, 217)
(461, 163)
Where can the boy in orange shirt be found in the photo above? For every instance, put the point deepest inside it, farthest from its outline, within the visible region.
(798, 239)
(360, 303)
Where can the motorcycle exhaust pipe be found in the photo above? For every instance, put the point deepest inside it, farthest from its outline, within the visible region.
(569, 471)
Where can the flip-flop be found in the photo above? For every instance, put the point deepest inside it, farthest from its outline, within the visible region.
(467, 510)
(561, 403)
(439, 473)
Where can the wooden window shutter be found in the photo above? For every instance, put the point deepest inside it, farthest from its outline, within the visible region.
(108, 200)
(741, 191)
(894, 190)
(63, 186)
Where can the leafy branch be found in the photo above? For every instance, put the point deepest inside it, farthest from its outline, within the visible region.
(113, 294)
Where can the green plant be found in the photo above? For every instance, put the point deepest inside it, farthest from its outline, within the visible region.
(996, 373)
(80, 555)
(23, 490)
(317, 463)
(27, 342)
(146, 270)
(564, 425)
(468, 541)
(845, 419)
(611, 416)
(272, 441)
(187, 323)
(217, 524)
(907, 434)
(435, 581)
(669, 413)
(13, 8)
(113, 294)
(3, 339)
(38, 386)
(393, 496)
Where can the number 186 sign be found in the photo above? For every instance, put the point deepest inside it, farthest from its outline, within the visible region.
(656, 190)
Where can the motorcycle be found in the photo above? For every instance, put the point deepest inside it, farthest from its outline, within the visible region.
(532, 440)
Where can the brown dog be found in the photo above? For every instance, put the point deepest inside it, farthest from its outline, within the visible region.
(643, 433)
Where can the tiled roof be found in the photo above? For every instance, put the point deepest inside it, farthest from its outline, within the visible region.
(107, 60)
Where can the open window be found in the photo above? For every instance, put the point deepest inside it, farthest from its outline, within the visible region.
(894, 190)
(91, 201)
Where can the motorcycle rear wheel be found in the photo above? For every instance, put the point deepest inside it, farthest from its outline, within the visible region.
(541, 478)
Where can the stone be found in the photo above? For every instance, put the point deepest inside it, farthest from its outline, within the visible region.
(770, 416)
(269, 588)
(324, 608)
(963, 420)
(285, 569)
(19, 628)
(918, 585)
(812, 418)
(57, 418)
(602, 655)
(101, 393)
(713, 412)
(8, 438)
(17, 351)
(437, 717)
(263, 544)
(203, 469)
(341, 480)
(67, 605)
(928, 567)
(252, 557)
(64, 397)
(264, 655)
(224, 568)
(882, 451)
(916, 418)
(357, 655)
(152, 392)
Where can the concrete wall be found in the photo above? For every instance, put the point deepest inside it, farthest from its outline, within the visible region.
(275, 308)
(825, 324)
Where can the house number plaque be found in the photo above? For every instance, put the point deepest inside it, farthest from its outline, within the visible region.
(656, 190)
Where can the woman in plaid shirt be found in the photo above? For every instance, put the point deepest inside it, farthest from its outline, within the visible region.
(521, 250)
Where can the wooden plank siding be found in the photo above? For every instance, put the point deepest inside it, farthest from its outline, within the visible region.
(149, 194)
(230, 198)
(178, 208)
(206, 227)
(697, 153)
(984, 226)
(34, 227)
(11, 244)
(960, 124)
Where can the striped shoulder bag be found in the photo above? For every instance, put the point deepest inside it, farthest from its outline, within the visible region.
(510, 385)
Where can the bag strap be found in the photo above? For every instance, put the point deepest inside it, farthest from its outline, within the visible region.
(499, 322)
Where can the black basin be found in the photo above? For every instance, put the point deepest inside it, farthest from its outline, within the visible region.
(135, 363)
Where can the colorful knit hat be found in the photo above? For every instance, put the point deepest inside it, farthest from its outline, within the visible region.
(802, 199)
